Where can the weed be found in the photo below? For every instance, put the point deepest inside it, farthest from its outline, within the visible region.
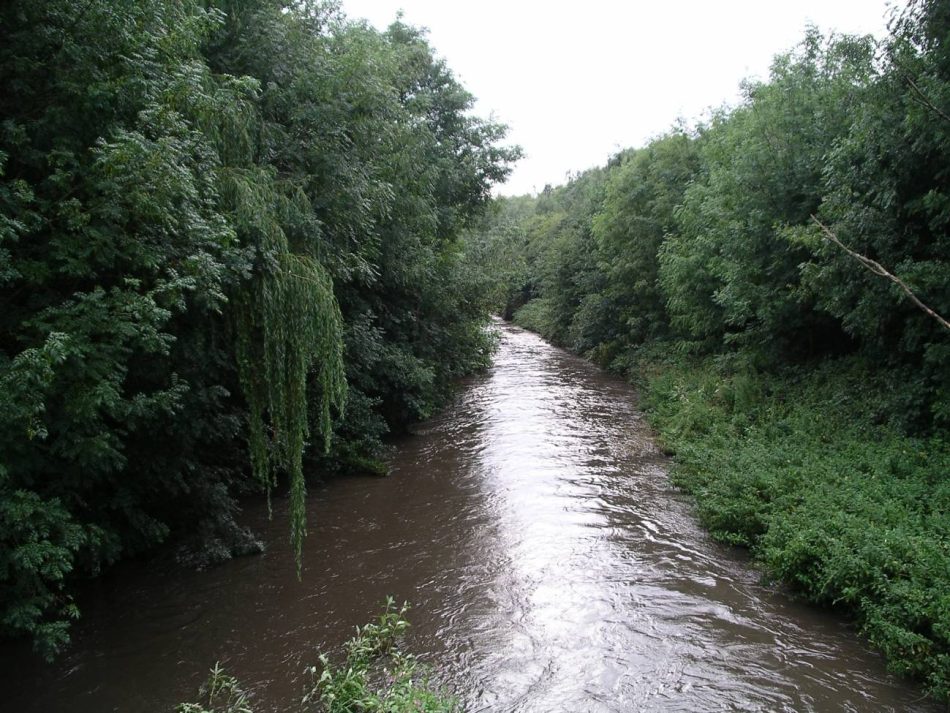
(375, 677)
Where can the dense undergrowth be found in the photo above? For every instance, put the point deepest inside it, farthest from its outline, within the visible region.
(804, 468)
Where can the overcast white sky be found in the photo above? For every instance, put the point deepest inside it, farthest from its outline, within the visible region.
(576, 82)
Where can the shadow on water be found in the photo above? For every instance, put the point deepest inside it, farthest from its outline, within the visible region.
(550, 564)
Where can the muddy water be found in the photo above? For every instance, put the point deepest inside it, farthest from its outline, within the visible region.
(550, 564)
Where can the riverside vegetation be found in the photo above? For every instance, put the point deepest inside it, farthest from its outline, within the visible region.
(241, 240)
(777, 279)
(375, 677)
(230, 249)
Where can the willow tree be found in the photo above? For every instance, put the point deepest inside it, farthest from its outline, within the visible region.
(287, 323)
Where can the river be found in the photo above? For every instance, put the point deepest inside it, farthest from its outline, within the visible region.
(550, 564)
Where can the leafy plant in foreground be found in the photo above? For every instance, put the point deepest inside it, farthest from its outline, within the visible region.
(375, 677)
(220, 694)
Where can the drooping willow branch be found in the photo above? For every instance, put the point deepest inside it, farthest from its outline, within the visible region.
(289, 335)
(879, 269)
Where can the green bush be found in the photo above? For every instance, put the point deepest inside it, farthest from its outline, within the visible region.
(535, 316)
(217, 220)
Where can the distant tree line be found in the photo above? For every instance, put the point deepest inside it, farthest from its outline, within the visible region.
(716, 237)
(230, 252)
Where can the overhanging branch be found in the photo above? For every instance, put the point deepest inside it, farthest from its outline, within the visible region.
(879, 269)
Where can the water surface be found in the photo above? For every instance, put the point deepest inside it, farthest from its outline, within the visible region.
(550, 564)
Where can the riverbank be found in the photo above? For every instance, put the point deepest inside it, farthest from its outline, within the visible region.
(832, 500)
(805, 468)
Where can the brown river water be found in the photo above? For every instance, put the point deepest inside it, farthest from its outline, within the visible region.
(550, 564)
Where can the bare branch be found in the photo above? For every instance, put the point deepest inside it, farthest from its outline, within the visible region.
(919, 95)
(924, 99)
(878, 269)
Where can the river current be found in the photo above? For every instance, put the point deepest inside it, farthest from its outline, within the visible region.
(550, 565)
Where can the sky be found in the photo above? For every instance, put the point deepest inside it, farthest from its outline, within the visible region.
(577, 82)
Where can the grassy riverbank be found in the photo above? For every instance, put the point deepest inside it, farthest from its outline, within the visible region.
(805, 468)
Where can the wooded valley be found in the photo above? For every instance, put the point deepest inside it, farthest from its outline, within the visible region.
(244, 242)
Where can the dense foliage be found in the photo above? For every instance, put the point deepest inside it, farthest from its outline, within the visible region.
(807, 396)
(214, 216)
